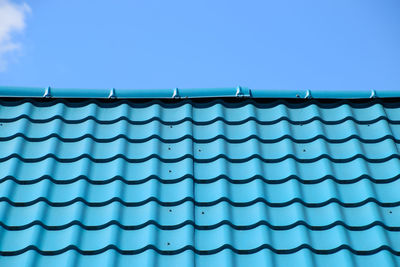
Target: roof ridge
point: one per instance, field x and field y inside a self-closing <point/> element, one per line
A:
<point x="183" y="93"/>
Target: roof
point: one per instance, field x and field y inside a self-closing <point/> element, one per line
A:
<point x="243" y="182"/>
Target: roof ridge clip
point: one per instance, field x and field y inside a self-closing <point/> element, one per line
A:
<point x="112" y="94"/>
<point x="373" y="94"/>
<point x="308" y="94"/>
<point x="176" y="93"/>
<point x="239" y="92"/>
<point x="47" y="92"/>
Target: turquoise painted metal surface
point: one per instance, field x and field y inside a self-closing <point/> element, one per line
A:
<point x="249" y="183"/>
<point x="178" y="93"/>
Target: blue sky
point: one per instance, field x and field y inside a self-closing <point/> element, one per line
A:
<point x="288" y="44"/>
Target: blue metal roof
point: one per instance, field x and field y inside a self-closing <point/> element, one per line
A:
<point x="199" y="183"/>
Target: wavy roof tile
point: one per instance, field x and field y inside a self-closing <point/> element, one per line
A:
<point x="246" y="182"/>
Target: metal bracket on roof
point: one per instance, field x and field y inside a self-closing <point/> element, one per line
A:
<point x="112" y="94"/>
<point x="239" y="92"/>
<point x="47" y="92"/>
<point x="373" y="94"/>
<point x="176" y="93"/>
<point x="308" y="94"/>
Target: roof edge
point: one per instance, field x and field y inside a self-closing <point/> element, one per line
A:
<point x="175" y="93"/>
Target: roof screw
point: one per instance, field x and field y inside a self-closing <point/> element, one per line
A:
<point x="239" y="92"/>
<point x="168" y="244"/>
<point x="47" y="92"/>
<point x="169" y="148"/>
<point x="373" y="94"/>
<point x="176" y="93"/>
<point x="308" y="94"/>
<point x="170" y="210"/>
<point x="112" y="94"/>
<point x="202" y="212"/>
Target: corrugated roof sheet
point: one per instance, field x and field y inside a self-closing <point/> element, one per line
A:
<point x="209" y="183"/>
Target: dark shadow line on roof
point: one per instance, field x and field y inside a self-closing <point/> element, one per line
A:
<point x="200" y="141"/>
<point x="204" y="103"/>
<point x="200" y="204"/>
<point x="200" y="227"/>
<point x="201" y="252"/>
<point x="201" y="181"/>
<point x="198" y="123"/>
<point x="198" y="160"/>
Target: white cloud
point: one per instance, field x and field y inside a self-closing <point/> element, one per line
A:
<point x="12" y="20"/>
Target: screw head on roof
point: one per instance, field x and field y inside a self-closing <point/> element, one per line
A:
<point x="47" y="92"/>
<point x="239" y="92"/>
<point x="373" y="94"/>
<point x="176" y="93"/>
<point x="112" y="94"/>
<point x="308" y="94"/>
